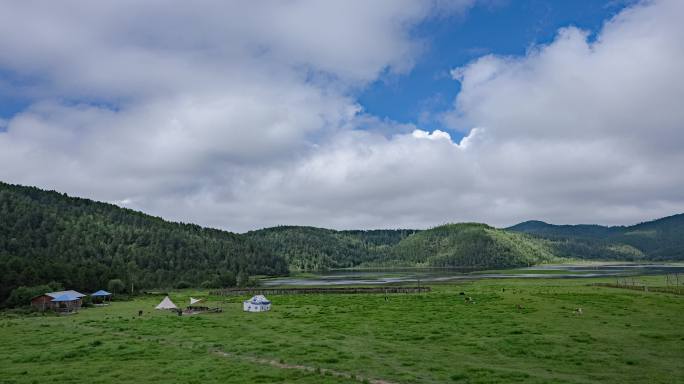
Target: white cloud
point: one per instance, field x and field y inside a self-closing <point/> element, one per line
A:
<point x="241" y="117"/>
<point x="435" y="135"/>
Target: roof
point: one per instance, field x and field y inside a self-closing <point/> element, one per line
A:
<point x="78" y="295"/>
<point x="66" y="297"/>
<point x="258" y="299"/>
<point x="101" y="293"/>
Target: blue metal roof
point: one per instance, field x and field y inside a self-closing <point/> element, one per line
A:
<point x="101" y="293"/>
<point x="66" y="297"/>
<point x="60" y="293"/>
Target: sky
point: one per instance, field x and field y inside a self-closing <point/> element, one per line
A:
<point x="349" y="114"/>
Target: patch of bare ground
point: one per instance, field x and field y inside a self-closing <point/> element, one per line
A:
<point x="307" y="368"/>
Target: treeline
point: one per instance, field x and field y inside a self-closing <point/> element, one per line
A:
<point x="312" y="249"/>
<point x="49" y="237"/>
<point x="661" y="239"/>
<point x="473" y="245"/>
<point x="453" y="245"/>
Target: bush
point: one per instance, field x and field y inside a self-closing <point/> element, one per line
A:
<point x="182" y="285"/>
<point x="87" y="301"/>
<point x="21" y="296"/>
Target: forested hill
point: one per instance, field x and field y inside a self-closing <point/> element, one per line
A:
<point x="81" y="244"/>
<point x="469" y="245"/>
<point x="452" y="245"/>
<point x="310" y="248"/>
<point x="661" y="239"/>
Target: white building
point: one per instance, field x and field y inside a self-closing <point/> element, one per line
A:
<point x="257" y="303"/>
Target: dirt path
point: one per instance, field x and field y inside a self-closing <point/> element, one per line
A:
<point x="307" y="368"/>
<point x="257" y="360"/>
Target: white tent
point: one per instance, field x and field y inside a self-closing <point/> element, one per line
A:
<point x="258" y="303"/>
<point x="166" y="304"/>
<point x="195" y="301"/>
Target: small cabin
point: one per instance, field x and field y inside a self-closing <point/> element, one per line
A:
<point x="258" y="303"/>
<point x="59" y="301"/>
<point x="100" y="297"/>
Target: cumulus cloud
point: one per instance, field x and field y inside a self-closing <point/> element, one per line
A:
<point x="241" y="116"/>
<point x="579" y="129"/>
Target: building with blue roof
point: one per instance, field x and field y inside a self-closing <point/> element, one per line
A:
<point x="62" y="301"/>
<point x="100" y="297"/>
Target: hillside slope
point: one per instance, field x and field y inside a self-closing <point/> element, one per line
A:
<point x="47" y="236"/>
<point x="469" y="245"/>
<point x="310" y="248"/>
<point x="661" y="239"/>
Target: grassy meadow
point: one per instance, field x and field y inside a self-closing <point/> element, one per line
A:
<point x="515" y="331"/>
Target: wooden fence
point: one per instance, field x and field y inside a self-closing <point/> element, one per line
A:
<point x="677" y="290"/>
<point x="327" y="290"/>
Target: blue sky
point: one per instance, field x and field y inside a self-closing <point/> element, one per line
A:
<point x="504" y="27"/>
<point x="501" y="27"/>
<point x="241" y="114"/>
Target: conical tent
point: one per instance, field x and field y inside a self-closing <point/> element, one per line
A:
<point x="166" y="304"/>
<point x="195" y="301"/>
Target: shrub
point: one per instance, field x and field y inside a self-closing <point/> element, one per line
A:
<point x="182" y="285"/>
<point x="21" y="296"/>
<point x="87" y="301"/>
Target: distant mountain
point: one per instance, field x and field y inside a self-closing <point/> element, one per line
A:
<point x="589" y="231"/>
<point x="46" y="236"/>
<point x="473" y="245"/>
<point x="469" y="245"/>
<point x="661" y="239"/>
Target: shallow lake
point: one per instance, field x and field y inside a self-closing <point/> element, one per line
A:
<point x="388" y="276"/>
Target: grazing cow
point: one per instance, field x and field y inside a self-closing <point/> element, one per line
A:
<point x="578" y="311"/>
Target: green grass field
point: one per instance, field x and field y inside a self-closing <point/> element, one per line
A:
<point x="622" y="336"/>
